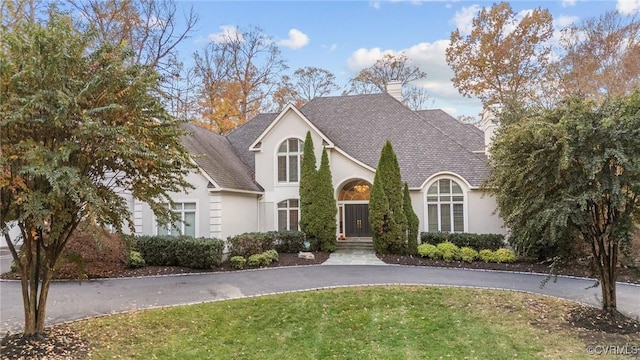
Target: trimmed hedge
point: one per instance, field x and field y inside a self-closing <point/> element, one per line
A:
<point x="251" y="243"/>
<point x="200" y="253"/>
<point x="475" y="241"/>
<point x="289" y="241"/>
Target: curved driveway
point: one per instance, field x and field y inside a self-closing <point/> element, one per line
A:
<point x="74" y="300"/>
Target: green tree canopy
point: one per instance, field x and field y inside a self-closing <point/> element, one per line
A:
<point x="326" y="206"/>
<point x="573" y="170"/>
<point x="308" y="180"/>
<point x="80" y="127"/>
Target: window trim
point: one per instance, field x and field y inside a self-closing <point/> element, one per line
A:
<point x="450" y="202"/>
<point x="287" y="156"/>
<point x="182" y="221"/>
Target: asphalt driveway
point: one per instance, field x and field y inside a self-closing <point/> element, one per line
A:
<point x="72" y="300"/>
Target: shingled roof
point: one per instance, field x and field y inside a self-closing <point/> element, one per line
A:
<point x="361" y="124"/>
<point x="242" y="137"/>
<point x="215" y="155"/>
<point x="466" y="135"/>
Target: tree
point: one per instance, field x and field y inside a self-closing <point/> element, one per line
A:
<point x="386" y="214"/>
<point x="326" y="206"/>
<point x="308" y="185"/>
<point x="413" y="223"/>
<point x="390" y="67"/>
<point x="308" y="84"/>
<point x="153" y="30"/>
<point x="573" y="169"/>
<point x="600" y="57"/>
<point x="80" y="126"/>
<point x="504" y="58"/>
<point x="250" y="60"/>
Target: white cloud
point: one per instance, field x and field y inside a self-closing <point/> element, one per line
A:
<point x="463" y="19"/>
<point x="375" y="4"/>
<point x="430" y="58"/>
<point x="628" y="7"/>
<point x="227" y="32"/>
<point x="563" y="21"/>
<point x="568" y="3"/>
<point x="296" y="40"/>
<point x="330" y="48"/>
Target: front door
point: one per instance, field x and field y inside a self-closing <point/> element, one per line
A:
<point x="356" y="219"/>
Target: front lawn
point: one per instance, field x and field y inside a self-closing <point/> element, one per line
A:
<point x="352" y="323"/>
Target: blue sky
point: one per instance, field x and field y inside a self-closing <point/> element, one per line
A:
<point x="347" y="36"/>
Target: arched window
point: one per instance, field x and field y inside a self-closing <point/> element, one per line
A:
<point x="289" y="158"/>
<point x="355" y="190"/>
<point x="445" y="207"/>
<point x="288" y="215"/>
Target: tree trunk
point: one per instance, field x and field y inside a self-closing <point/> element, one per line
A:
<point x="605" y="252"/>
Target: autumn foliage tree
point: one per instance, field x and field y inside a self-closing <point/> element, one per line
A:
<point x="81" y="124"/>
<point x="572" y="170"/>
<point x="305" y="85"/>
<point x="504" y="58"/>
<point x="238" y="71"/>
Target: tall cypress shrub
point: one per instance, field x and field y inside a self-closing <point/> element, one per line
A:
<point x="308" y="179"/>
<point x="325" y="205"/>
<point x="392" y="184"/>
<point x="413" y="222"/>
<point x="379" y="216"/>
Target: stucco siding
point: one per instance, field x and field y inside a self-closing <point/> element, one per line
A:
<point x="481" y="216"/>
<point x="239" y="214"/>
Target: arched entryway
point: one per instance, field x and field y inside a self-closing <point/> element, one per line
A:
<point x="353" y="205"/>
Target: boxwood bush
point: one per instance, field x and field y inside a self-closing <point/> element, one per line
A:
<point x="430" y="251"/>
<point x="251" y="243"/>
<point x="449" y="251"/>
<point x="237" y="262"/>
<point x="200" y="253"/>
<point x="468" y="254"/>
<point x="289" y="241"/>
<point x="475" y="241"/>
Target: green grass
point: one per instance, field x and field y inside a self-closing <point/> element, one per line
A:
<point x="353" y="323"/>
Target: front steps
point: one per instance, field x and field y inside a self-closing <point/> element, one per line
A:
<point x="355" y="244"/>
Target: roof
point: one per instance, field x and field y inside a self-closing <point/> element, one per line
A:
<point x="215" y="155"/>
<point x="466" y="135"/>
<point x="361" y="124"/>
<point x="242" y="137"/>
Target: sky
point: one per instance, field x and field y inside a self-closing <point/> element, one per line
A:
<point x="345" y="37"/>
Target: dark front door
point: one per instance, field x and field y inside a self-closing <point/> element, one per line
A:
<point x="356" y="219"/>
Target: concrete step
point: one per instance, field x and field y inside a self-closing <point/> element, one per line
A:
<point x="354" y="245"/>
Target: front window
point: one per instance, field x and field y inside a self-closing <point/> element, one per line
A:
<point x="186" y="225"/>
<point x="289" y="158"/>
<point x="445" y="207"/>
<point x="288" y="215"/>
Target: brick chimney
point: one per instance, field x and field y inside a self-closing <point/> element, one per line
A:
<point x="394" y="88"/>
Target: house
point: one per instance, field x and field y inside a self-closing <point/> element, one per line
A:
<point x="248" y="180"/>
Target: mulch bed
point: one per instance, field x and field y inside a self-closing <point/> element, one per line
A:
<point x="59" y="342"/>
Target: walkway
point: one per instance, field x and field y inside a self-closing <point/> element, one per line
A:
<point x="72" y="300"/>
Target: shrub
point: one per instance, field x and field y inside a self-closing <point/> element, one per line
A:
<point x="504" y="255"/>
<point x="475" y="241"/>
<point x="238" y="262"/>
<point x="289" y="241"/>
<point x="430" y="251"/>
<point x="157" y="250"/>
<point x="200" y="253"/>
<point x="449" y="251"/>
<point x="135" y="260"/>
<point x="486" y="255"/>
<point x="255" y="260"/>
<point x="272" y="255"/>
<point x="251" y="243"/>
<point x="468" y="254"/>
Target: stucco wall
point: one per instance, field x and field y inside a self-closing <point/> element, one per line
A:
<point x="481" y="216"/>
<point x="239" y="214"/>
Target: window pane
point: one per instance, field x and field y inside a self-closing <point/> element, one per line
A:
<point x="458" y="198"/>
<point x="293" y="220"/>
<point x="282" y="204"/>
<point x="456" y="188"/>
<point x="293" y="145"/>
<point x="282" y="220"/>
<point x="190" y="206"/>
<point x="189" y="224"/>
<point x="445" y="218"/>
<point x="458" y="218"/>
<point x="293" y="203"/>
<point x="293" y="168"/>
<point x="162" y="230"/>
<point x="433" y="217"/>
<point x="433" y="189"/>
<point x="445" y="186"/>
<point x="283" y="147"/>
<point x="282" y="168"/>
